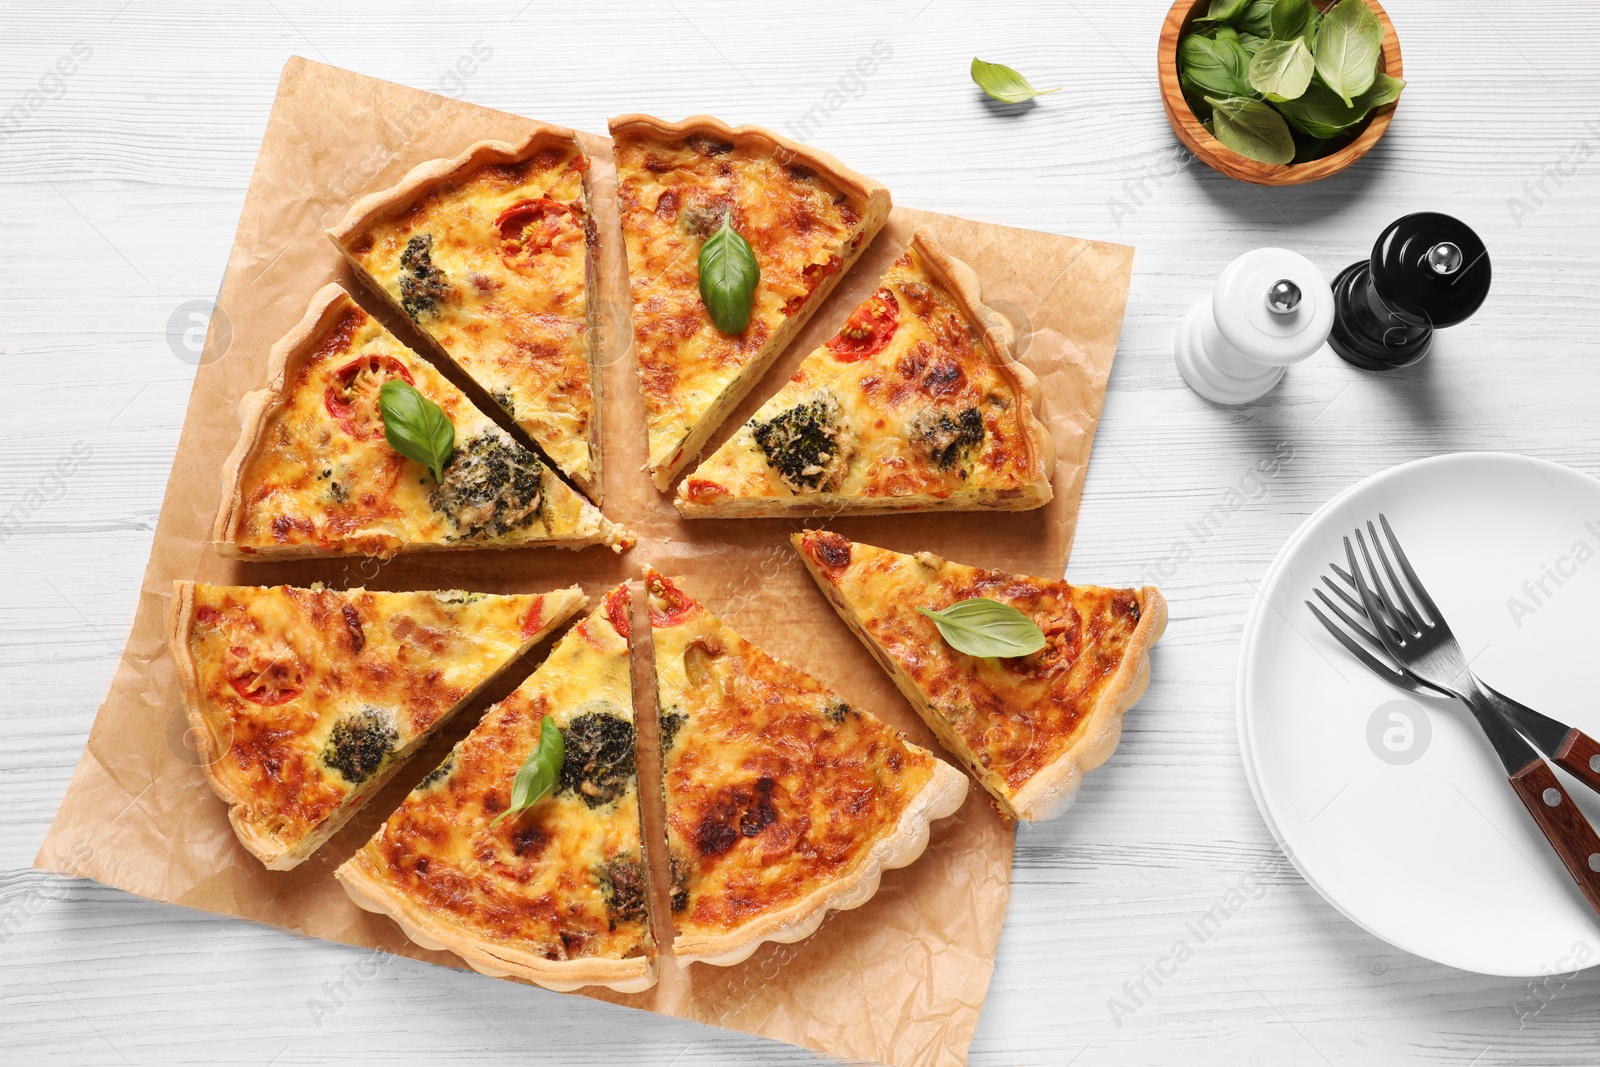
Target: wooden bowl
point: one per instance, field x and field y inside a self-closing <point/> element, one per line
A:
<point x="1214" y="154"/>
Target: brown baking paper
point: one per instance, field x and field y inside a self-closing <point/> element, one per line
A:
<point x="900" y="980"/>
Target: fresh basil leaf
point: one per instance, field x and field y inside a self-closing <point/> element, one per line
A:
<point x="1252" y="129"/>
<point x="1320" y="113"/>
<point x="729" y="274"/>
<point x="1295" y="18"/>
<point x="982" y="627"/>
<point x="540" y="772"/>
<point x="1348" y="49"/>
<point x="1223" y="10"/>
<point x="1215" y="67"/>
<point x="1003" y="83"/>
<point x="1252" y="44"/>
<point x="1255" y="19"/>
<point x="1281" y="70"/>
<point x="415" y="426"/>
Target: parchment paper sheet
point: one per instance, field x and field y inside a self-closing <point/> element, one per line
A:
<point x="900" y="980"/>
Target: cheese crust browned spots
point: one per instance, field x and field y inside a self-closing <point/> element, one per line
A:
<point x="675" y="193"/>
<point x="494" y="264"/>
<point x="1008" y="717"/>
<point x="775" y="786"/>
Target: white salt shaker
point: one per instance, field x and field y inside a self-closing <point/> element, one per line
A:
<point x="1272" y="308"/>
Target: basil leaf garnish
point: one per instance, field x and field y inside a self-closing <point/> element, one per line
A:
<point x="1295" y="18"/>
<point x="728" y="277"/>
<point x="539" y="773"/>
<point x="1252" y="129"/>
<point x="1349" y="46"/>
<point x="1281" y="70"/>
<point x="1004" y="84"/>
<point x="1215" y="66"/>
<point x="415" y="426"/>
<point x="982" y="627"/>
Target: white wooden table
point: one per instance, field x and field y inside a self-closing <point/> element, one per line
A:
<point x="120" y="184"/>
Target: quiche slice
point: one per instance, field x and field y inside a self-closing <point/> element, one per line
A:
<point x="915" y="404"/>
<point x="314" y="475"/>
<point x="1029" y="727"/>
<point x="492" y="255"/>
<point x="783" y="802"/>
<point x="554" y="893"/>
<point x="806" y="216"/>
<point x="303" y="702"/>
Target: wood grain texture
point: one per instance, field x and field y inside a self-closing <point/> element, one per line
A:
<point x="122" y="192"/>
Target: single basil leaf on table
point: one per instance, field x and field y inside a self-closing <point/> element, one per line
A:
<point x="1295" y="18"/>
<point x="1348" y="49"/>
<point x="1252" y="129"/>
<point x="1215" y="67"/>
<point x="1281" y="70"/>
<point x="1320" y="113"/>
<point x="1005" y="84"/>
<point x="981" y="627"/>
<point x="540" y="773"/>
<point x="415" y="426"/>
<point x="1255" y="19"/>
<point x="1223" y="10"/>
<point x="729" y="274"/>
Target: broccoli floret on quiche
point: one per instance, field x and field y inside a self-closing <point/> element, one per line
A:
<point x="490" y="487"/>
<point x="599" y="757"/>
<point x="422" y="285"/>
<point x="359" y="743"/>
<point x="809" y="445"/>
<point x="947" y="439"/>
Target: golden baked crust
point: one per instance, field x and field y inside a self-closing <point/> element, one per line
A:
<point x="312" y="474"/>
<point x="303" y="702"/>
<point x="806" y="216"/>
<point x="916" y="404"/>
<point x="556" y="893"/>
<point x="492" y="255"/>
<point x="783" y="802"/>
<point x="1027" y="728"/>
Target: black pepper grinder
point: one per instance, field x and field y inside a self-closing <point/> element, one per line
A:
<point x="1427" y="271"/>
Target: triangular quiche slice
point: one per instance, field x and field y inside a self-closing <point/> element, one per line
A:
<point x="1028" y="728"/>
<point x="783" y="801"/>
<point x="303" y="702"/>
<point x="554" y="893"/>
<point x="915" y="404"/>
<point x="492" y="255"/>
<point x="314" y="475"/>
<point x="807" y="218"/>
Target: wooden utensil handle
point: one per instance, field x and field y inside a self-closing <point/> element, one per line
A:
<point x="1579" y="756"/>
<point x="1563" y="825"/>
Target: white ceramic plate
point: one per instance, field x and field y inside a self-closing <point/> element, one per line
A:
<point x="1394" y="806"/>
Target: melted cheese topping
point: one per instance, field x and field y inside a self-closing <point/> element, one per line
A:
<point x="310" y="695"/>
<point x="673" y="195"/>
<point x="928" y="420"/>
<point x="774" y="786"/>
<point x="324" y="478"/>
<point x="514" y="244"/>
<point x="564" y="879"/>
<point x="1006" y="718"/>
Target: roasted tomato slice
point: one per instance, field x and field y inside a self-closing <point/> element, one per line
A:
<point x="265" y="677"/>
<point x="533" y="621"/>
<point x="868" y="329"/>
<point x="677" y="606"/>
<point x="813" y="275"/>
<point x="618" y="609"/>
<point x="530" y="227"/>
<point x="352" y="396"/>
<point x="1063" y="633"/>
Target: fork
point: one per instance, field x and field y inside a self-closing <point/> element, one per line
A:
<point x="1566" y="746"/>
<point x="1422" y="643"/>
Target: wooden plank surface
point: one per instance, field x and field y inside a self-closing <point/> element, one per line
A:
<point x="122" y="182"/>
